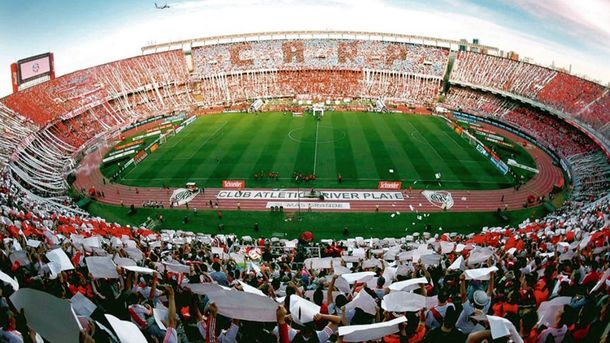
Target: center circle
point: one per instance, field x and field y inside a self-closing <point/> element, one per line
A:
<point x="326" y="134"/>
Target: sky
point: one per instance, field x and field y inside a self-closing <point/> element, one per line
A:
<point x="84" y="33"/>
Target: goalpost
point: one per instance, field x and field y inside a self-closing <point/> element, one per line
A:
<point x="318" y="110"/>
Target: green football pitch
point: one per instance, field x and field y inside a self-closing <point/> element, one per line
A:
<point x="361" y="147"/>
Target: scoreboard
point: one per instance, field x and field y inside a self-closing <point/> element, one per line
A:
<point x="32" y="70"/>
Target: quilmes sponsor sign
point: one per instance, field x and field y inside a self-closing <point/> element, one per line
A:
<point x="442" y="199"/>
<point x="182" y="195"/>
<point x="306" y="205"/>
<point x="234" y="184"/>
<point x="294" y="195"/>
<point x="391" y="185"/>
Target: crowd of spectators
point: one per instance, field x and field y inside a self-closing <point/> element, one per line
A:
<point x="543" y="281"/>
<point x="13" y="130"/>
<point x="584" y="100"/>
<point x="320" y="85"/>
<point x="569" y="94"/>
<point x="319" y="54"/>
<point x="500" y="73"/>
<point x="559" y="136"/>
<point x="597" y="115"/>
<point x="555" y="134"/>
<point x="479" y="103"/>
<point x="88" y="89"/>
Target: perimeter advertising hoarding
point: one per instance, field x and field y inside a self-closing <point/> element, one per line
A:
<point x="234" y="184"/>
<point x="391" y="185"/>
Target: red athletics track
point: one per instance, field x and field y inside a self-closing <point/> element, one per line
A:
<point x="88" y="175"/>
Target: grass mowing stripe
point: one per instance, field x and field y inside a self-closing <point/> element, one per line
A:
<point x="328" y="136"/>
<point x="257" y="147"/>
<point x="360" y="151"/>
<point x="200" y="146"/>
<point x="443" y="166"/>
<point x="285" y="160"/>
<point x="237" y="148"/>
<point x="422" y="167"/>
<point x="271" y="150"/>
<point x="344" y="153"/>
<point x="379" y="153"/>
<point x="392" y="143"/>
<point x="172" y="160"/>
<point x="304" y="155"/>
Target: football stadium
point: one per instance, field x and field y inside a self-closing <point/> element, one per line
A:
<point x="304" y="185"/>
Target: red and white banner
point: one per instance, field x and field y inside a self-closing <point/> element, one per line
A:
<point x="393" y="185"/>
<point x="234" y="184"/>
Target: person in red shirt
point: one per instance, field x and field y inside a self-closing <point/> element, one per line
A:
<point x="413" y="331"/>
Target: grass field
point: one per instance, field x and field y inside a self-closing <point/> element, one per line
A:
<point x="362" y="147"/>
<point x="321" y="224"/>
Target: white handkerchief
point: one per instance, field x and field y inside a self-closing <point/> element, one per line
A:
<point x="457" y="264"/>
<point x="363" y="301"/>
<point x="408" y="285"/>
<point x="363" y="333"/>
<point x="11" y="281"/>
<point x="244" y="306"/>
<point x="447" y="247"/>
<point x="302" y="310"/>
<point x="479" y="273"/>
<point x="101" y="267"/>
<point x="501" y="327"/>
<point x="403" y="302"/>
<point x="81" y="305"/>
<point x="358" y="277"/>
<point x="548" y="310"/>
<point x="250" y="289"/>
<point x="60" y="257"/>
<point x="138" y="269"/>
<point x="33" y="243"/>
<point x="127" y="332"/>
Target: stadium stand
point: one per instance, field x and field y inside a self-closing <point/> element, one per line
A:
<point x="14" y="129"/>
<point x="566" y="93"/>
<point x="556" y="264"/>
<point x="569" y="93"/>
<point x="501" y="73"/>
<point x="479" y="103"/>
<point x="318" y="54"/>
<point x="543" y="280"/>
<point x="591" y="169"/>
<point x="594" y="116"/>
